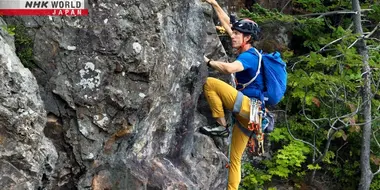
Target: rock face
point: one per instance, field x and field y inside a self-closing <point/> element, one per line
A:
<point x="27" y="157"/>
<point x="120" y="89"/>
<point x="121" y="99"/>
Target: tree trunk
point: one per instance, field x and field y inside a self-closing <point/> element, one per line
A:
<point x="366" y="173"/>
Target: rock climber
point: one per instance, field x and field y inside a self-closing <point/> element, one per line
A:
<point x="221" y="95"/>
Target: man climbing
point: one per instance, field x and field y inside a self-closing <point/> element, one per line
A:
<point x="221" y="95"/>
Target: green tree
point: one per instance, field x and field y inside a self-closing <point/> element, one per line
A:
<point x="328" y="93"/>
<point x="366" y="172"/>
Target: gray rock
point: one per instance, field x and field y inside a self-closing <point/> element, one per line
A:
<point x="27" y="157"/>
<point x="120" y="89"/>
<point x="121" y="99"/>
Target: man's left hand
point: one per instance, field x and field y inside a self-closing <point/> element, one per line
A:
<point x="206" y="59"/>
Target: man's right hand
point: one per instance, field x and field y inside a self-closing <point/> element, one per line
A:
<point x="223" y="17"/>
<point x="211" y="2"/>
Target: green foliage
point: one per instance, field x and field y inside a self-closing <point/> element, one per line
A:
<point x="324" y="82"/>
<point x="9" y="29"/>
<point x="279" y="135"/>
<point x="288" y="160"/>
<point x="329" y="156"/>
<point x="253" y="178"/>
<point x="320" y="6"/>
<point x="374" y="13"/>
<point x="24" y="46"/>
<point x="262" y="15"/>
<point x="310" y="5"/>
<point x="312" y="30"/>
<point x="375" y="185"/>
<point x="313" y="167"/>
<point x="346" y="172"/>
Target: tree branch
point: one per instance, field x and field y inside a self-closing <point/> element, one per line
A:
<point x="376" y="130"/>
<point x="373" y="31"/>
<point x="337" y="56"/>
<point x="327" y="147"/>
<point x="377" y="172"/>
<point x="374" y="39"/>
<point x="303" y="111"/>
<point x="373" y="119"/>
<point x="332" y="42"/>
<point x="376" y="84"/>
<point x="374" y="136"/>
<point x="287" y="3"/>
<point x="337" y="151"/>
<point x="334" y="12"/>
<point x="329" y="13"/>
<point x="324" y="103"/>
<point x="354" y="43"/>
<point x="291" y="134"/>
<point x="369" y="34"/>
<point x="319" y="51"/>
<point x="335" y="119"/>
<point x="294" y="64"/>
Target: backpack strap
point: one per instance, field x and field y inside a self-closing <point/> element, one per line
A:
<point x="258" y="69"/>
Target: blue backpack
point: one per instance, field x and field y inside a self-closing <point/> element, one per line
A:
<point x="275" y="76"/>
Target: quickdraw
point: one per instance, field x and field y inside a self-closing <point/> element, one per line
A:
<point x="254" y="125"/>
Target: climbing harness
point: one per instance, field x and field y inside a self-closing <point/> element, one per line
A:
<point x="255" y="128"/>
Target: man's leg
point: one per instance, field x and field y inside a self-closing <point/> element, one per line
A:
<point x="222" y="121"/>
<point x="220" y="94"/>
<point x="238" y="143"/>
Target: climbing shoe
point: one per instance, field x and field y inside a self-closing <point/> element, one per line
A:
<point x="217" y="131"/>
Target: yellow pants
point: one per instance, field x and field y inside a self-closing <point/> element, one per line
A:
<point x="220" y="94"/>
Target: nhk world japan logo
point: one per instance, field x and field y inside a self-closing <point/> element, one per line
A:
<point x="44" y="7"/>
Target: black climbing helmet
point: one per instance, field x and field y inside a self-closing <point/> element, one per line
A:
<point x="247" y="26"/>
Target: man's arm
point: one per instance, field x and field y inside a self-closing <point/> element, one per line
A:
<point x="226" y="68"/>
<point x="223" y="17"/>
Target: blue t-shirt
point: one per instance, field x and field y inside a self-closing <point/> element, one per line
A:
<point x="250" y="61"/>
